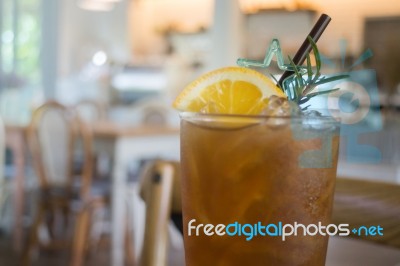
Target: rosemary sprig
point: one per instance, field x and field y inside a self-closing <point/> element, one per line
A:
<point x="300" y="85"/>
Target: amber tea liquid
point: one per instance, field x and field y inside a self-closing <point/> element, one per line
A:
<point x="253" y="169"/>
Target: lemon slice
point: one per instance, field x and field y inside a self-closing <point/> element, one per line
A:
<point x="230" y="90"/>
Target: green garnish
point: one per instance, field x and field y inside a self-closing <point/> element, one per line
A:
<point x="300" y="85"/>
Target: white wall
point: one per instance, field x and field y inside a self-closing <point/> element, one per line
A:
<point x="133" y="28"/>
<point x="148" y="19"/>
<point x="49" y="54"/>
<point x="347" y="19"/>
<point x="83" y="32"/>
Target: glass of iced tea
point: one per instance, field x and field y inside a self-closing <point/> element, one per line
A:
<point x="258" y="167"/>
<point x="246" y="178"/>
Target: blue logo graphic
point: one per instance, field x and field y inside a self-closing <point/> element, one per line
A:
<point x="357" y="104"/>
<point x="354" y="105"/>
<point x="347" y="103"/>
<point x="368" y="230"/>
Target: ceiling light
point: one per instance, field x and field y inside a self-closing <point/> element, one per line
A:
<point x="96" y="5"/>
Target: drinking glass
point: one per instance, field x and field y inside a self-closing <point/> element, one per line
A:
<point x="256" y="170"/>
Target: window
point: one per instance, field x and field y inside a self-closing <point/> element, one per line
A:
<point x="19" y="43"/>
<point x="20" y="75"/>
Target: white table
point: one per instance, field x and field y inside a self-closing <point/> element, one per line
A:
<point x="127" y="145"/>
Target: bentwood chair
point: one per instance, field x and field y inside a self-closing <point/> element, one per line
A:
<point x="53" y="136"/>
<point x="160" y="190"/>
<point x="91" y="110"/>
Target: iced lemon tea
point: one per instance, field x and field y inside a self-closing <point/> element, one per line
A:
<point x="251" y="169"/>
<point x="254" y="163"/>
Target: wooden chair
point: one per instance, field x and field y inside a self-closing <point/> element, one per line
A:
<point x="91" y="110"/>
<point x="149" y="111"/>
<point x="52" y="136"/>
<point x="160" y="190"/>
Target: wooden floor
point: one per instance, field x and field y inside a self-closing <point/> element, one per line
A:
<point x="356" y="202"/>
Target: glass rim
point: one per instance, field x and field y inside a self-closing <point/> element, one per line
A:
<point x="323" y="117"/>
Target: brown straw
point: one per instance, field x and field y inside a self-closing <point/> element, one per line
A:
<point x="305" y="48"/>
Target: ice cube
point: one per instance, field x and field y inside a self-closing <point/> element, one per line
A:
<point x="278" y="109"/>
<point x="278" y="106"/>
<point x="313" y="119"/>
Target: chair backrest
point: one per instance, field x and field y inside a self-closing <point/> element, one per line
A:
<point x="53" y="134"/>
<point x="147" y="111"/>
<point x="91" y="110"/>
<point x="160" y="190"/>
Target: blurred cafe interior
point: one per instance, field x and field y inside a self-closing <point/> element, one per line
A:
<point x="117" y="65"/>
